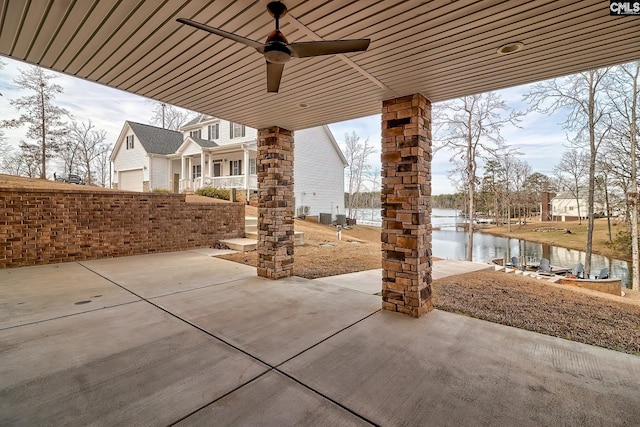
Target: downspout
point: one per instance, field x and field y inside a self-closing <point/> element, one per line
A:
<point x="149" y="171"/>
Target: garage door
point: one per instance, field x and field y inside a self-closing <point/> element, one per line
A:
<point x="131" y="180"/>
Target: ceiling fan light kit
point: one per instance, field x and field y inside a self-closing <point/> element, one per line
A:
<point x="277" y="51"/>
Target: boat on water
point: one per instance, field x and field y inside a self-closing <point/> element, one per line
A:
<point x="566" y="276"/>
<point x="610" y="285"/>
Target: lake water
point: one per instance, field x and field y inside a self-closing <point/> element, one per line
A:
<point x="451" y="243"/>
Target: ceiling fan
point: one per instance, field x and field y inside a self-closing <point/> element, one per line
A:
<point x="278" y="51"/>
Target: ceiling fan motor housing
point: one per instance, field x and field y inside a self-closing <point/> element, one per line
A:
<point x="275" y="49"/>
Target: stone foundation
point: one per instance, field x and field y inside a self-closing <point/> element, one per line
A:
<point x="406" y="205"/>
<point x="275" y="203"/>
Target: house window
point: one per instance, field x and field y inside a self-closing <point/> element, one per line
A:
<point x="570" y="208"/>
<point x="196" y="134"/>
<point x="236" y="167"/>
<point x="129" y="142"/>
<point x="217" y="169"/>
<point x="252" y="166"/>
<point x="196" y="171"/>
<point x="237" y="130"/>
<point x="214" y="132"/>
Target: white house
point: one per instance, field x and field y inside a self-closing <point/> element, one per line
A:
<point x="564" y="207"/>
<point x="210" y="152"/>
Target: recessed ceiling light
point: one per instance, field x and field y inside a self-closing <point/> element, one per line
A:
<point x="303" y="105"/>
<point x="510" y="48"/>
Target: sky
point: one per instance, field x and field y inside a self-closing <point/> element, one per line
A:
<point x="540" y="138"/>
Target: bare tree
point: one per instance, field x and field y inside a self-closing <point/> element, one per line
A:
<point x="470" y="126"/>
<point x="357" y="153"/>
<point x="44" y="119"/>
<point x="521" y="173"/>
<point x="68" y="156"/>
<point x="584" y="97"/>
<point x="90" y="143"/>
<point x="571" y="172"/>
<point x="12" y="162"/>
<point x="625" y="97"/>
<point x="169" y="117"/>
<point x="102" y="167"/>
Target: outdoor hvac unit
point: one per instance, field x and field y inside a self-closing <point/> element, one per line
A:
<point x="304" y="210"/>
<point x="325" y="218"/>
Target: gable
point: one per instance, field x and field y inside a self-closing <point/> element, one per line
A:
<point x="156" y="140"/>
<point x="189" y="147"/>
<point x="120" y="147"/>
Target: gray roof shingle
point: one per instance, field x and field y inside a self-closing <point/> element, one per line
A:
<point x="157" y="140"/>
<point x="204" y="142"/>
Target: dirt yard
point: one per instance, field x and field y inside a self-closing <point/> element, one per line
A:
<point x="323" y="254"/>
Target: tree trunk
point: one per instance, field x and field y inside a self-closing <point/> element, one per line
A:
<point x="606" y="201"/>
<point x="592" y="176"/>
<point x="471" y="181"/>
<point x="469" y="255"/>
<point x="43" y="173"/>
<point x="635" y="257"/>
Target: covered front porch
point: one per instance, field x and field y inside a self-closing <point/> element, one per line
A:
<point x="220" y="167"/>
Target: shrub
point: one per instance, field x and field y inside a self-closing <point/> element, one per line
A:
<point x="216" y="193"/>
<point x="622" y="242"/>
<point x="160" y="190"/>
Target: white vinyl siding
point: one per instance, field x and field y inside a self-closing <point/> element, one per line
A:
<point x="133" y="158"/>
<point x="318" y="172"/>
<point x="159" y="176"/>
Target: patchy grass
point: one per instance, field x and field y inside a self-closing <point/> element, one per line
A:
<point x="555" y="233"/>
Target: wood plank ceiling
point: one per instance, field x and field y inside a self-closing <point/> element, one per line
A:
<point x="441" y="48"/>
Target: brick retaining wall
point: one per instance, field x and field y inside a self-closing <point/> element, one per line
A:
<point x="45" y="227"/>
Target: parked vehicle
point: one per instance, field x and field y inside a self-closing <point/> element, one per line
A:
<point x="71" y="178"/>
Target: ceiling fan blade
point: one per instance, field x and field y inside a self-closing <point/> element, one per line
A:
<point x="274" y="74"/>
<point x="245" y="41"/>
<point x="329" y="47"/>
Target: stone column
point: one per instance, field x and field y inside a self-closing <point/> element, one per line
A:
<point x="406" y="205"/>
<point x="275" y="202"/>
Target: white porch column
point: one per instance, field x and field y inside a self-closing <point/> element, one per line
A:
<point x="203" y="171"/>
<point x="182" y="174"/>
<point x="189" y="169"/>
<point x="245" y="160"/>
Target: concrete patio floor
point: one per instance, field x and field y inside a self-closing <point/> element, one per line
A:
<point x="189" y="339"/>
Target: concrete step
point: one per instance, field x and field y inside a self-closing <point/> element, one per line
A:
<point x="250" y="225"/>
<point x="241" y="244"/>
<point x="298" y="237"/>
